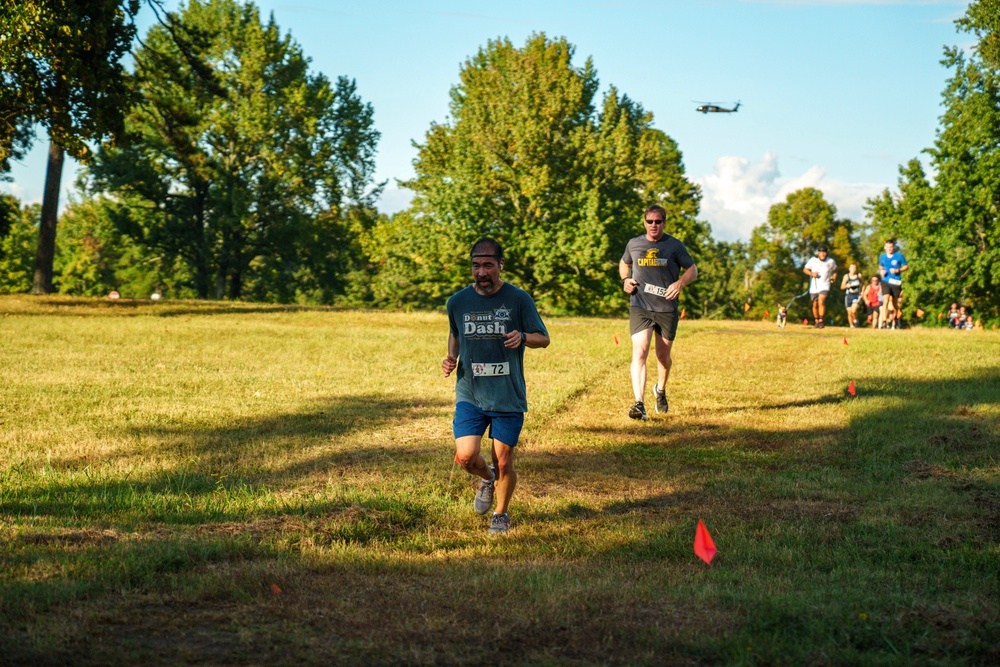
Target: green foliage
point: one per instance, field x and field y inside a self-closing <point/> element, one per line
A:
<point x="95" y="258"/>
<point x="17" y="245"/>
<point x="252" y="178"/>
<point x="949" y="229"/>
<point x="781" y="247"/>
<point x="982" y="17"/>
<point x="725" y="281"/>
<point x="528" y="159"/>
<point x="60" y="67"/>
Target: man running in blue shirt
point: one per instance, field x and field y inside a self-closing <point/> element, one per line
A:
<point x="490" y="324"/>
<point x="891" y="265"/>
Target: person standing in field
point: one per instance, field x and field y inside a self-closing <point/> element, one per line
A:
<point x="654" y="270"/>
<point x="851" y="286"/>
<point x="490" y="324"/>
<point x="891" y="265"/>
<point x="822" y="271"/>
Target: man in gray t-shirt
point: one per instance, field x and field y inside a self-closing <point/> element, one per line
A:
<point x="654" y="269"/>
<point x="490" y="324"/>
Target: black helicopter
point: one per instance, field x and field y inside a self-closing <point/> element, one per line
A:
<point x="715" y="108"/>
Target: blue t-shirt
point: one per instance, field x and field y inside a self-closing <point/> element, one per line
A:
<point x="490" y="376"/>
<point x="893" y="261"/>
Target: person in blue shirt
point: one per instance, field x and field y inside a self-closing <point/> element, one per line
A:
<point x="891" y="265"/>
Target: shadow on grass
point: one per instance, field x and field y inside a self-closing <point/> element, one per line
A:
<point x="224" y="473"/>
<point x="884" y="508"/>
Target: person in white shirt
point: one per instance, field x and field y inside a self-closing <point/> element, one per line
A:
<point x="822" y="271"/>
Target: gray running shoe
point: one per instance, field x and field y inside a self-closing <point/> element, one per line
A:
<point x="661" y="399"/>
<point x="637" y="411"/>
<point x="484" y="496"/>
<point x="500" y="523"/>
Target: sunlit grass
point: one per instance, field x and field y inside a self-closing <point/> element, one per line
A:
<point x="241" y="483"/>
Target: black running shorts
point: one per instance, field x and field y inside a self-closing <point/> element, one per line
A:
<point x="894" y="290"/>
<point x="640" y="319"/>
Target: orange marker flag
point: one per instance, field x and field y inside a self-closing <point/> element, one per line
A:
<point x="940" y="315"/>
<point x="767" y="314"/>
<point x="920" y="313"/>
<point x="704" y="547"/>
<point x="746" y="307"/>
<point x="805" y="322"/>
<point x="684" y="313"/>
<point x="845" y="340"/>
<point x="851" y="390"/>
<point x="618" y="341"/>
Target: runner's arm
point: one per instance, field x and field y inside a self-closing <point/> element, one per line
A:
<point x="628" y="284"/>
<point x="451" y="361"/>
<point x="690" y="273"/>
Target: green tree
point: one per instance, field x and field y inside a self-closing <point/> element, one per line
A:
<point x="949" y="229"/>
<point x="252" y="178"/>
<point x="982" y="18"/>
<point x="781" y="247"/>
<point x="526" y="157"/>
<point x="17" y="249"/>
<point x="60" y="66"/>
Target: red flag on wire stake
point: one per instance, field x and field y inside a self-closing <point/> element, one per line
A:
<point x="845" y="340"/>
<point x="767" y="313"/>
<point x="851" y="390"/>
<point x="618" y="341"/>
<point x="704" y="547"/>
<point x="805" y="322"/>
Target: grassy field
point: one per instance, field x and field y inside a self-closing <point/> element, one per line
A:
<point x="240" y="484"/>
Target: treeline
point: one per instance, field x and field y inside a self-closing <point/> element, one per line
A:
<point x="239" y="173"/>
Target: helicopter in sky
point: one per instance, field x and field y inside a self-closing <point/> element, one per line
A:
<point x="706" y="107"/>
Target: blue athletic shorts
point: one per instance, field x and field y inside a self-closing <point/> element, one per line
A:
<point x="470" y="420"/>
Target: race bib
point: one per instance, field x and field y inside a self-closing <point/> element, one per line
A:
<point x="490" y="370"/>
<point x="655" y="289"/>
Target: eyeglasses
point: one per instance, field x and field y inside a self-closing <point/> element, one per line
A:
<point x="654" y="222"/>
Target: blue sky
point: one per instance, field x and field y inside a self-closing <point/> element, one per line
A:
<point x="836" y="94"/>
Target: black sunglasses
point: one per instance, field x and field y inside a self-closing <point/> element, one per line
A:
<point x="654" y="222"/>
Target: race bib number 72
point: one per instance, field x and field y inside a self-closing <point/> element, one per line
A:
<point x="490" y="370"/>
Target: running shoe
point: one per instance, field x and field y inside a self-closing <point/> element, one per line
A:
<point x="637" y="411"/>
<point x="661" y="399"/>
<point x="484" y="496"/>
<point x="500" y="523"/>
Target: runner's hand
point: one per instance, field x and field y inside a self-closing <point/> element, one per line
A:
<point x="629" y="285"/>
<point x="448" y="365"/>
<point x="512" y="340"/>
<point x="673" y="291"/>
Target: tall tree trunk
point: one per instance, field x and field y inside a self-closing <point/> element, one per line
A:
<point x="45" y="256"/>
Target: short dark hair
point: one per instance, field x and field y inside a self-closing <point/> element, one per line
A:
<point x="655" y="208"/>
<point x="822" y="248"/>
<point x="487" y="247"/>
<point x="892" y="241"/>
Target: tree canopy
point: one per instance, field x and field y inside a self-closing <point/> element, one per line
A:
<point x="60" y="66"/>
<point x="250" y="177"/>
<point x="527" y="158"/>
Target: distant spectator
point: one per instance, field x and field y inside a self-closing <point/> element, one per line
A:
<point x="953" y="314"/>
<point x="965" y="319"/>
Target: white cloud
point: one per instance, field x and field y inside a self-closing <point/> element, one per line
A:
<point x="738" y="193"/>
